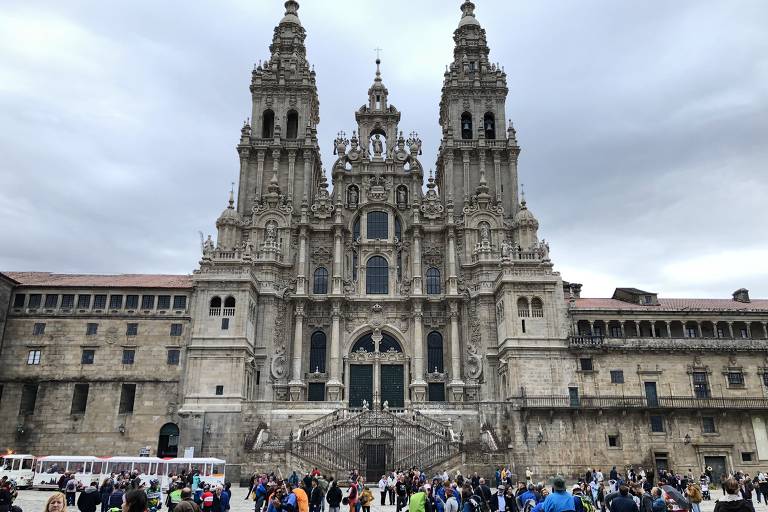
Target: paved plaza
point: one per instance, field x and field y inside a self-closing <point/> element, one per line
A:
<point x="34" y="501"/>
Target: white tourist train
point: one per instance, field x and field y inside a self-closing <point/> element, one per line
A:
<point x="45" y="472"/>
<point x="18" y="467"/>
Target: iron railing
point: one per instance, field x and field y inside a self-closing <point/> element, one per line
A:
<point x="639" y="402"/>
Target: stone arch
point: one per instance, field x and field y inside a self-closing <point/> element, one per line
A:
<point x="168" y="441"/>
<point x="364" y="329"/>
<point x="466" y="126"/>
<point x="292" y="124"/>
<point x="268" y="124"/>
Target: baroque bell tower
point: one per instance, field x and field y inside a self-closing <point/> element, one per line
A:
<point x="477" y="155"/>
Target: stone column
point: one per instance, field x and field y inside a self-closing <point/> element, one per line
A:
<point x="296" y="385"/>
<point x="456" y="385"/>
<point x="653" y="328"/>
<point x="669" y="328"/>
<point x="465" y="162"/>
<point x="307" y="174"/>
<point x="301" y="278"/>
<point x="259" y="173"/>
<point x="334" y="385"/>
<point x="452" y="277"/>
<point x="637" y="329"/>
<point x="591" y="327"/>
<point x="338" y="259"/>
<point x="748" y="324"/>
<point x="416" y="258"/>
<point x="291" y="171"/>
<point x="730" y="330"/>
<point x="497" y="174"/>
<point x="447" y="178"/>
<point x="418" y="385"/>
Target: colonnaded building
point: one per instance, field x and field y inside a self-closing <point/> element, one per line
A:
<point x="382" y="324"/>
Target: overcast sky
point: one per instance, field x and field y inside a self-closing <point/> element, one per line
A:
<point x="643" y="125"/>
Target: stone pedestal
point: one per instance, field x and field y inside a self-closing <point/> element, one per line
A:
<point x="296" y="390"/>
<point x="419" y="391"/>
<point x="456" y="391"/>
<point x="334" y="391"/>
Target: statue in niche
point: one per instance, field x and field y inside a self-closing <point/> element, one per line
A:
<point x="402" y="196"/>
<point x="378" y="145"/>
<point x="506" y="249"/>
<point x="352" y="196"/>
<point x="271" y="231"/>
<point x="485" y="233"/>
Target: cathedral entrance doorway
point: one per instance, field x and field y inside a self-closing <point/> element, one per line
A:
<point x="168" y="444"/>
<point x="376" y="372"/>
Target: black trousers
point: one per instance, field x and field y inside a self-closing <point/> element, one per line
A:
<point x="391" y="493"/>
<point x="383" y="498"/>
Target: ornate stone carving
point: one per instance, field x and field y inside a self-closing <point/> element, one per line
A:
<point x="378" y="187"/>
<point x="431" y="207"/>
<point x="279" y="364"/>
<point x="321" y="256"/>
<point x="473" y="368"/>
<point x="432" y="257"/>
<point x="322" y="207"/>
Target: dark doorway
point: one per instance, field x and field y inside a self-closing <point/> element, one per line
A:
<point x="573" y="397"/>
<point x="662" y="462"/>
<point x="718" y="467"/>
<point x="650" y="394"/>
<point x="360" y="385"/>
<point x="375" y="461"/>
<point x="392" y="385"/>
<point x="316" y="392"/>
<point x="168" y="445"/>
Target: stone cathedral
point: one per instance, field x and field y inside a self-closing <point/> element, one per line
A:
<point x="376" y="316"/>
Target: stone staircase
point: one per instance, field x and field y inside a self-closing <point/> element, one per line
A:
<point x="337" y="442"/>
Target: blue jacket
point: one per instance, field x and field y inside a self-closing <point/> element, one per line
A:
<point x="224" y="501"/>
<point x="559" y="501"/>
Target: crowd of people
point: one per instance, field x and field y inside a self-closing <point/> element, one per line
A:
<point x="412" y="490"/>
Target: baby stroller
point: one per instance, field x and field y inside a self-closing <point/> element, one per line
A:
<point x="705" y="490"/>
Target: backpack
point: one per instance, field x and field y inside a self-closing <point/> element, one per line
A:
<point x="72" y="485"/>
<point x="476" y="502"/>
<point x="587" y="504"/>
<point x="528" y="505"/>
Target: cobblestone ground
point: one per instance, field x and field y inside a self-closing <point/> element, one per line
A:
<point x="34" y="501"/>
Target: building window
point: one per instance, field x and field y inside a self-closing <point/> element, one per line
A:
<point x="18" y="300"/>
<point x="91" y="329"/>
<point x="616" y="332"/>
<point x="378" y="225"/>
<point x="173" y="356"/>
<point x="743" y="333"/>
<point x="34" y="301"/>
<point x="163" y="302"/>
<point x="746" y="457"/>
<point x="28" y="399"/>
<point x="317" y="352"/>
<point x="33" y="357"/>
<point x="377" y="276"/>
<point x="292" y="122"/>
<point x="356" y="229"/>
<point x="176" y="329"/>
<point x="436" y="392"/>
<point x="87" y="356"/>
<point x="127" y="398"/>
<point x="537" y="308"/>
<point x="316" y="392"/>
<point x="129" y="355"/>
<point x="708" y="425"/>
<point x="586" y="364"/>
<point x="51" y="301"/>
<point x="79" y="399"/>
<point x="38" y="329"/>
<point x="617" y="376"/>
<point x="614" y="441"/>
<point x="398" y="228"/>
<point x="522" y="308"/>
<point x="735" y="379"/>
<point x="700" y="385"/>
<point x="219" y="390"/>
<point x="132" y="329"/>
<point x="268" y="125"/>
<point x="147" y="302"/>
<point x="131" y="302"/>
<point x="354" y="266"/>
<point x="597" y="331"/>
<point x="229" y="306"/>
<point x="321" y="281"/>
<point x="67" y="301"/>
<point x="115" y="301"/>
<point x="765" y="378"/>
<point x="179" y="302"/>
<point x="434" y="352"/>
<point x="224" y="324"/>
<point x="214" y="306"/>
<point x="433" y="281"/>
<point x="99" y="301"/>
<point x="690" y="332"/>
<point x="657" y="423"/>
<point x="489" y="125"/>
<point x="83" y="301"/>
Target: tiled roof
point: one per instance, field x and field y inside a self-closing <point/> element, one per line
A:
<point x="633" y="290"/>
<point x="5" y="276"/>
<point x="101" y="281"/>
<point x="676" y="305"/>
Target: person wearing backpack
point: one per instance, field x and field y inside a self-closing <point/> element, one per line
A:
<point x="623" y="502"/>
<point x="581" y="503"/>
<point x="471" y="501"/>
<point x="559" y="500"/>
<point x="70" y="490"/>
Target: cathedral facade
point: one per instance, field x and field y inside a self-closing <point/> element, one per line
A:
<point x="376" y="316"/>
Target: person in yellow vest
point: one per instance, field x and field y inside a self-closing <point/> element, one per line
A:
<point x="418" y="501"/>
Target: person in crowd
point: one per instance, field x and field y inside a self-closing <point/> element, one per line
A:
<point x="89" y="498"/>
<point x="106" y="488"/>
<point x="559" y="500"/>
<point x="315" y="496"/>
<point x="135" y="501"/>
<point x="733" y="500"/>
<point x="623" y="502"/>
<point x="334" y="497"/>
<point x="56" y="502"/>
<point x="366" y="498"/>
<point x="383" y="485"/>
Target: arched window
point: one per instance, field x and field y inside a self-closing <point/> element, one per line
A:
<point x="364" y="344"/>
<point x="466" y="125"/>
<point x="293" y="124"/>
<point x="229" y="306"/>
<point x="489" y="125"/>
<point x="378" y="225"/>
<point x="168" y="443"/>
<point x="215" y="307"/>
<point x="356" y="229"/>
<point x="377" y="276"/>
<point x="433" y="281"/>
<point x="435" y="352"/>
<point x="398" y="228"/>
<point x="537" y="308"/>
<point x="522" y="307"/>
<point x="321" y="280"/>
<point x="354" y="266"/>
<point x="268" y="125"/>
<point x="317" y="352"/>
<point x="389" y="344"/>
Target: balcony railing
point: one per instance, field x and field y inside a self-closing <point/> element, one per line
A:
<point x="648" y="343"/>
<point x="639" y="402"/>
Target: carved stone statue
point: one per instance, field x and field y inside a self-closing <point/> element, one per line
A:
<point x="352" y="196"/>
<point x="506" y="249"/>
<point x="378" y="145"/>
<point x="544" y="247"/>
<point x="485" y="233"/>
<point x="271" y="235"/>
<point x="385" y="405"/>
<point x="402" y="196"/>
<point x="208" y="245"/>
